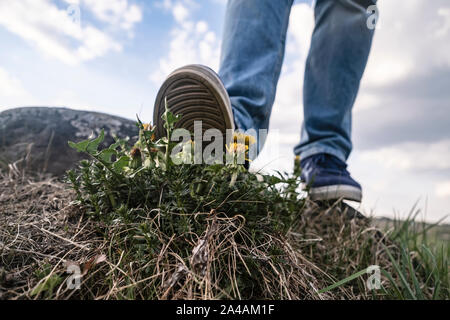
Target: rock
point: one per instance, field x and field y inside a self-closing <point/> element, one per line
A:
<point x="35" y="138"/>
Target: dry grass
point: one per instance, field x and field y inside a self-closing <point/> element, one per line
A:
<point x="38" y="228"/>
<point x="42" y="232"/>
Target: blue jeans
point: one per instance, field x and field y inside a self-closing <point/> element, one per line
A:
<point x="252" y="54"/>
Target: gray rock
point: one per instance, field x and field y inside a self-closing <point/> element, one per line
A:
<point x="36" y="138"/>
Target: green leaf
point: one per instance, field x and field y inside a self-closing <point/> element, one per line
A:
<point x="121" y="163"/>
<point x="172" y="118"/>
<point x="115" y="145"/>
<point x="93" y="145"/>
<point x="89" y="146"/>
<point x="148" y="134"/>
<point x="80" y="146"/>
<point x="106" y="154"/>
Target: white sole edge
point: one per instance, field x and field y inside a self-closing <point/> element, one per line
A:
<point x="336" y="192"/>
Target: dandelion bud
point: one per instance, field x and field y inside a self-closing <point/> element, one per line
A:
<point x="136" y="158"/>
<point x="297" y="168"/>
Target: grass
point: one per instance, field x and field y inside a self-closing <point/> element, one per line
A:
<point x="137" y="226"/>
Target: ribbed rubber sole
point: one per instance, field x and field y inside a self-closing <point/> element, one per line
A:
<point x="335" y="192"/>
<point x="197" y="93"/>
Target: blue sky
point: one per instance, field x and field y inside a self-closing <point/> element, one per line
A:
<point x="117" y="81"/>
<point x="113" y="58"/>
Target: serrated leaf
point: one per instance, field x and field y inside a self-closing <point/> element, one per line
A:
<point x="172" y="118"/>
<point x="93" y="144"/>
<point x="115" y="145"/>
<point x="121" y="163"/>
<point x="148" y="134"/>
<point x="106" y="154"/>
<point x="80" y="146"/>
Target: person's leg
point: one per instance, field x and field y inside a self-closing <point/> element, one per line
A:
<point x="252" y="54"/>
<point x="337" y="58"/>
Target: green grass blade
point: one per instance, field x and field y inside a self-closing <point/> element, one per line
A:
<point x="394" y="285"/>
<point x="412" y="271"/>
<point x="341" y="282"/>
<point x="433" y="273"/>
<point x="400" y="274"/>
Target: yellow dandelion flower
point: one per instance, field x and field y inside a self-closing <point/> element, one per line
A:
<point x="235" y="147"/>
<point x="147" y="126"/>
<point x="248" y="139"/>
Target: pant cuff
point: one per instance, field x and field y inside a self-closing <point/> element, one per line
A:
<point x="307" y="152"/>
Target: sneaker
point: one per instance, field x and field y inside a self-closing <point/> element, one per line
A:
<point x="328" y="179"/>
<point x="197" y="93"/>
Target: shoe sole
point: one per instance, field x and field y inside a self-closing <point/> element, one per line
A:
<point x="197" y="93"/>
<point x="336" y="192"/>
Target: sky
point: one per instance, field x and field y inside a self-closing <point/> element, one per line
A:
<point x="112" y="55"/>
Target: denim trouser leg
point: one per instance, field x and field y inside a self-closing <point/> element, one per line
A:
<point x="252" y="54"/>
<point x="337" y="58"/>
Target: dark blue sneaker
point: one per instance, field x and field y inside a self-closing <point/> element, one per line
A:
<point x="328" y="178"/>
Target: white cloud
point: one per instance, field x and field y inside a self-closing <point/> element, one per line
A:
<point x="366" y="100"/>
<point x="221" y="2"/>
<point x="58" y="33"/>
<point x="445" y="26"/>
<point x="115" y="12"/>
<point x="410" y="40"/>
<point x="71" y="99"/>
<point x="412" y="156"/>
<point x="443" y="189"/>
<point x="180" y="12"/>
<point x="191" y="42"/>
<point x="201" y="27"/>
<point x="9" y="85"/>
<point x="95" y="44"/>
<point x="405" y="47"/>
<point x="288" y="98"/>
<point x="12" y="91"/>
<point x="287" y="111"/>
